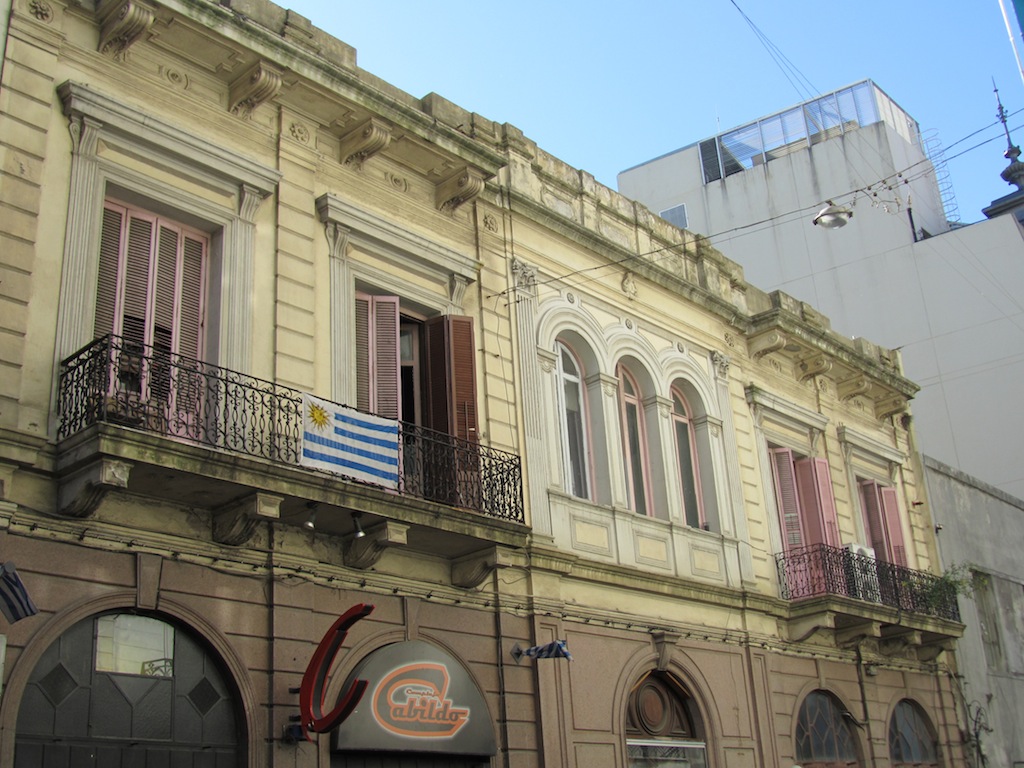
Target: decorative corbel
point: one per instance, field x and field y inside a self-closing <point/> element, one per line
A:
<point x="766" y="343"/>
<point x="904" y="645"/>
<point x="81" y="493"/>
<point x="664" y="644"/>
<point x="459" y="189"/>
<point x="720" y="363"/>
<point x="364" y="552"/>
<point x="121" y="25"/>
<point x="364" y="141"/>
<point x="851" y="388"/>
<point x="235" y="523"/>
<point x="890" y="406"/>
<point x="814" y="366"/>
<point x="457" y="285"/>
<point x="258" y="84"/>
<point x="470" y="571"/>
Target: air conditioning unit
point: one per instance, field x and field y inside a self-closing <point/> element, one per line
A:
<point x="860" y="549"/>
<point x="862" y="573"/>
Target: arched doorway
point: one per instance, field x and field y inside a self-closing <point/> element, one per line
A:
<point x="663" y="724"/>
<point x="129" y="689"/>
<point x="911" y="737"/>
<point x="824" y="738"/>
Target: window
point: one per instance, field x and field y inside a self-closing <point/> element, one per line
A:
<point x="420" y="371"/>
<point x="803" y="493"/>
<point x="634" y="442"/>
<point x="910" y="737"/>
<point x="880" y="507"/>
<point x="686" y="453"/>
<point x="663" y="725"/>
<point x="134" y="645"/>
<point x="676" y="215"/>
<point x="572" y="410"/>
<point x="823" y="737"/>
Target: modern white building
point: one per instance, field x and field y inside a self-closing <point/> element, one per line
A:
<point x="899" y="272"/>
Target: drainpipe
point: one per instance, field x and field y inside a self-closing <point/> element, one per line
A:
<point x="866" y="724"/>
<point x="500" y="639"/>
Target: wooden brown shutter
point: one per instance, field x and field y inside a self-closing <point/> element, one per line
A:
<point x="451" y="376"/>
<point x="814" y="483"/>
<point x="786" y="497"/>
<point x="893" y="525"/>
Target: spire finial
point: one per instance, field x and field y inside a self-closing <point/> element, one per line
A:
<point x="1014" y="172"/>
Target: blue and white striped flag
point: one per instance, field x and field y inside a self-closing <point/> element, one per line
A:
<point x="556" y="649"/>
<point x="14" y="600"/>
<point x="351" y="443"/>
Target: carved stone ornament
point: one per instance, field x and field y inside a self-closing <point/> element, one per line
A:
<point x="299" y="132"/>
<point x="364" y="141"/>
<point x="469" y="572"/>
<point x="766" y="343"/>
<point x="721" y="363"/>
<point x="42" y="10"/>
<point x="459" y="189"/>
<point x="258" y="84"/>
<point x="890" y="406"/>
<point x="525" y="274"/>
<point x="365" y="552"/>
<point x="402" y="185"/>
<point x="851" y="388"/>
<point x="80" y="495"/>
<point x="491" y="223"/>
<point x="629" y="285"/>
<point x="121" y="25"/>
<point x="815" y="366"/>
<point x="235" y="524"/>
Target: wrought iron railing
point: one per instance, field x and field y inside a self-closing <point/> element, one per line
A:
<point x="116" y="381"/>
<point x="823" y="570"/>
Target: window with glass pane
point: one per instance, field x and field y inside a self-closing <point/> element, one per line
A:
<point x="686" y="449"/>
<point x="134" y="645"/>
<point x="740" y="148"/>
<point x="665" y="755"/>
<point x="910" y="738"/>
<point x="823" y="737"/>
<point x="574" y="435"/>
<point x="634" y="442"/>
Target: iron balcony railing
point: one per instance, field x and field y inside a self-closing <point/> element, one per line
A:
<point x="823" y="570"/>
<point x="117" y="381"/>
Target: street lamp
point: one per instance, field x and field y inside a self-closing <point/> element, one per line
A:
<point x="833" y="216"/>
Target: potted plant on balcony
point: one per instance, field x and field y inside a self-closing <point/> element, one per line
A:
<point x="944" y="589"/>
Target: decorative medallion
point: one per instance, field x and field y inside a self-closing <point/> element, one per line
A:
<point x="41" y="10"/>
<point x="680" y="348"/>
<point x="629" y="285"/>
<point x="402" y="185"/>
<point x="299" y="132"/>
<point x="177" y="78"/>
<point x="730" y="340"/>
<point x="490" y="223"/>
<point x="629" y="324"/>
<point x="571" y="298"/>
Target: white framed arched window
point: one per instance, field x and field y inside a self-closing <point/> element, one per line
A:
<point x="634" y="442"/>
<point x="571" y="399"/>
<point x="686" y="458"/>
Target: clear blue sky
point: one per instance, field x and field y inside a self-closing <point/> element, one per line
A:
<point x="607" y="85"/>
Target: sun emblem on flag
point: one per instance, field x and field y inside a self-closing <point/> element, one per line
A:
<point x="319" y="416"/>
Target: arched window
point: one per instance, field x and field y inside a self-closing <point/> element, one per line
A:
<point x="911" y="742"/>
<point x="663" y="725"/>
<point x="572" y="412"/>
<point x="133" y="687"/>
<point x="823" y="736"/>
<point x="686" y="455"/>
<point x="634" y="442"/>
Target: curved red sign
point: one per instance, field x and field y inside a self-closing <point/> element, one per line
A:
<point x="311" y="694"/>
<point x="412" y="700"/>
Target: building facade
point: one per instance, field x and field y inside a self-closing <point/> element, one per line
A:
<point x="232" y="259"/>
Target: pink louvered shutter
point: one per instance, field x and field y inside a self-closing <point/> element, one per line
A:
<point x="135" y="300"/>
<point x="893" y="525"/>
<point x="378" y="384"/>
<point x="109" y="270"/>
<point x="814" y="482"/>
<point x="387" y="361"/>
<point x="191" y="322"/>
<point x="871" y="495"/>
<point x="786" y="497"/>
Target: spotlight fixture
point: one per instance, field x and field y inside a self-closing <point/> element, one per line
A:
<point x="310" y="523"/>
<point x="833" y="216"/>
<point x="359" y="526"/>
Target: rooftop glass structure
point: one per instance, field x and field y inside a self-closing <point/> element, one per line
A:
<point x="801" y="126"/>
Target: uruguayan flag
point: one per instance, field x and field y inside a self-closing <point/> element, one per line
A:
<point x="348" y="442"/>
<point x="14" y="600"/>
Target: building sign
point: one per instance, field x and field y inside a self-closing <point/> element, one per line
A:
<point x="418" y="699"/>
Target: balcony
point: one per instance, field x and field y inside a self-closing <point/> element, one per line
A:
<point x="823" y="570"/>
<point x="223" y="429"/>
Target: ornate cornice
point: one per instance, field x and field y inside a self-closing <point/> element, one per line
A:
<point x="364" y="141"/>
<point x="259" y="84"/>
<point x="121" y="25"/>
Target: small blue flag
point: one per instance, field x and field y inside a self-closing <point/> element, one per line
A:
<point x="14" y="600"/>
<point x="556" y="649"/>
